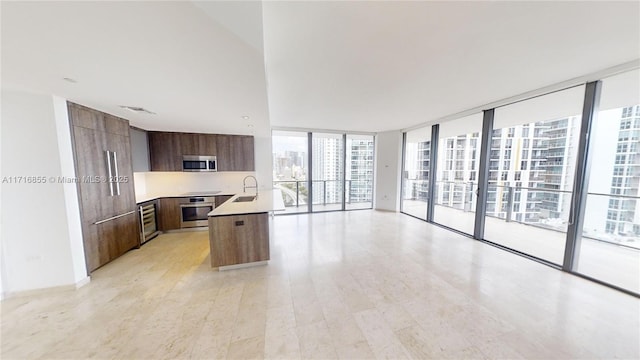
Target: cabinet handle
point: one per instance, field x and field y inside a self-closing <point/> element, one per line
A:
<point x="115" y="166"/>
<point x="110" y="174"/>
<point x="113" y="217"/>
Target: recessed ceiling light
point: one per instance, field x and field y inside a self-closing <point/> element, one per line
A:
<point x="73" y="81"/>
<point x="245" y="117"/>
<point x="137" y="109"/>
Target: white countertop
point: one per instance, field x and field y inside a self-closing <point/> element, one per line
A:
<point x="140" y="198"/>
<point x="267" y="200"/>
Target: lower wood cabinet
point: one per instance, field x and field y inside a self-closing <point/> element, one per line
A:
<point x="239" y="239"/>
<point x="108" y="240"/>
<point x="169" y="214"/>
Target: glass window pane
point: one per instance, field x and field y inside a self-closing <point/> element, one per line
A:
<point x="457" y="177"/>
<point x="531" y="171"/>
<point x="610" y="245"/>
<point x="290" y="168"/>
<point x="415" y="178"/>
<point x="328" y="171"/>
<point x="359" y="180"/>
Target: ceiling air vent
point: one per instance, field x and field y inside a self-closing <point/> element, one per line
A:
<point x="137" y="109"/>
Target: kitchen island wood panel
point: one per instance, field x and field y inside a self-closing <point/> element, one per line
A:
<point x="239" y="239"/>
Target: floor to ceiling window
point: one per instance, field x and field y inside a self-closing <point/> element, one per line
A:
<point x="610" y="244"/>
<point x="415" y="174"/>
<point x="359" y="172"/>
<point x="532" y="160"/>
<point x="291" y="168"/>
<point x="327" y="171"/>
<point x="560" y="188"/>
<point x="334" y="173"/>
<point x="457" y="173"/>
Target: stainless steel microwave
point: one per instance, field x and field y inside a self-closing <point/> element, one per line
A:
<point x="199" y="163"/>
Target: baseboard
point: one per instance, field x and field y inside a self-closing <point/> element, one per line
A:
<point x="83" y="282"/>
<point x="46" y="291"/>
<point x="386" y="210"/>
<point x="198" y="228"/>
<point x="242" y="266"/>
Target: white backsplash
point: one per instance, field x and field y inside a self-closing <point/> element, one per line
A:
<point x="174" y="183"/>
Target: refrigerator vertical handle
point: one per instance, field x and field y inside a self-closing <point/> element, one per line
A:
<point x="109" y="173"/>
<point x="117" y="178"/>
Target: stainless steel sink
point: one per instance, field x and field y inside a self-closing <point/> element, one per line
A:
<point x="245" y="198"/>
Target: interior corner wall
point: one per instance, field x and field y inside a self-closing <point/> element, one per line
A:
<point x="72" y="202"/>
<point x="388" y="165"/>
<point x="264" y="161"/>
<point x="2" y="270"/>
<point x="36" y="239"/>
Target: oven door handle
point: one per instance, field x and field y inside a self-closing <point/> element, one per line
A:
<point x="196" y="205"/>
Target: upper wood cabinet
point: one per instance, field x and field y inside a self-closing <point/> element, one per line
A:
<point x="165" y="151"/>
<point x="189" y="144"/>
<point x="236" y="153"/>
<point x="233" y="152"/>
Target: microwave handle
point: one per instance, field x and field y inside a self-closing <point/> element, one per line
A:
<point x="109" y="173"/>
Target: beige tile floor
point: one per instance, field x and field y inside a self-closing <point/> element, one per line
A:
<point x="613" y="264"/>
<point x="355" y="285"/>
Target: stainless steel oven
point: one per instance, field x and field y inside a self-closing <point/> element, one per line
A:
<point x="194" y="210"/>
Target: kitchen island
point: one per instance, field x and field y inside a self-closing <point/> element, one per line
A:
<point x="239" y="229"/>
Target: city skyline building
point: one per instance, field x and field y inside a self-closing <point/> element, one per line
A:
<point x="359" y="170"/>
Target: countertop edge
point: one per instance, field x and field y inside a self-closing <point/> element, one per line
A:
<point x="271" y="201"/>
<point x="145" y="198"/>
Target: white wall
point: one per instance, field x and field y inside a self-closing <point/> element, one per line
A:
<point x="264" y="161"/>
<point x="388" y="165"/>
<point x="39" y="248"/>
<point x="72" y="202"/>
<point x="177" y="182"/>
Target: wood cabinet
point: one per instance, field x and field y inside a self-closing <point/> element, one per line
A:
<point x="188" y="144"/>
<point x="233" y="152"/>
<point x="165" y="151"/>
<point x="169" y="214"/>
<point x="236" y="153"/>
<point x="223" y="148"/>
<point x="107" y="241"/>
<point x="207" y="144"/>
<point x="239" y="239"/>
<point x="102" y="153"/>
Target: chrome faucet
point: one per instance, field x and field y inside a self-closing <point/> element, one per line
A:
<point x="244" y="184"/>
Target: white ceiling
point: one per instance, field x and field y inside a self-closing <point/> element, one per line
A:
<point x="358" y="66"/>
<point x="173" y="58"/>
